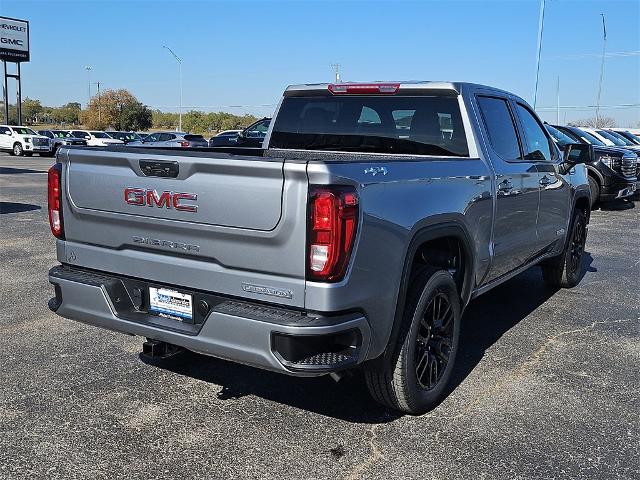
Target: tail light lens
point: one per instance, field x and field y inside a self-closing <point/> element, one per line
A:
<point x="333" y="221"/>
<point x="54" y="185"/>
<point x="184" y="144"/>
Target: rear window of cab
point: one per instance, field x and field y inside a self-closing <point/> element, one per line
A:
<point x="414" y="125"/>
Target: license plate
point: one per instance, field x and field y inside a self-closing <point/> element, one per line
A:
<point x="170" y="303"/>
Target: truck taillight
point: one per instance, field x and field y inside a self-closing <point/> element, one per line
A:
<point x="55" y="206"/>
<point x="333" y="221"/>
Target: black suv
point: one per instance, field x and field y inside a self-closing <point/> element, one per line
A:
<point x="613" y="171"/>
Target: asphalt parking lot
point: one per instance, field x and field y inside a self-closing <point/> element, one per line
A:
<point x="547" y="386"/>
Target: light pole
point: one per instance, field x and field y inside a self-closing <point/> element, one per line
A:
<point x="99" y="109"/>
<point x="604" y="46"/>
<point x="88" y="68"/>
<point x="540" y="29"/>
<point x="180" y="81"/>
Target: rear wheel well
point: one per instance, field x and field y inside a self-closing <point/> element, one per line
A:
<point x="444" y="253"/>
<point x="444" y="248"/>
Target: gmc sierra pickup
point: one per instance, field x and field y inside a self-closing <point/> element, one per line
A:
<point x="355" y="239"/>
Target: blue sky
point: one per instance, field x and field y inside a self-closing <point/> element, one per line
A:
<point x="245" y="53"/>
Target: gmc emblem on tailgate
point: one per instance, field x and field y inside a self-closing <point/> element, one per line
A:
<point x="151" y="198"/>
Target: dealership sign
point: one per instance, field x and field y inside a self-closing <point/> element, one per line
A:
<point x="14" y="40"/>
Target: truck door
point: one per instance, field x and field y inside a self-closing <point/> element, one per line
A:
<point x="517" y="188"/>
<point x="554" y="189"/>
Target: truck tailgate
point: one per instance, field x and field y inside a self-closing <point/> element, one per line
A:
<point x="231" y="193"/>
<point x="206" y="220"/>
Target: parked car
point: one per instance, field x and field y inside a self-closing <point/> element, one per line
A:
<point x="632" y="142"/>
<point x="634" y="132"/>
<point x="604" y="137"/>
<point x="631" y="145"/>
<point x="253" y="136"/>
<point x="96" y="138"/>
<point x="628" y="138"/>
<point x="126" y="137"/>
<point x="170" y="139"/>
<point x="226" y="138"/>
<point x="613" y="171"/>
<point x="20" y="140"/>
<point x="57" y="138"/>
<point x="350" y="242"/>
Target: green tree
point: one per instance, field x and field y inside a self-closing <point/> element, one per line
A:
<point x="116" y="109"/>
<point x="164" y="120"/>
<point x="196" y="121"/>
<point x="69" y="113"/>
<point x="30" y="111"/>
<point x="134" y="117"/>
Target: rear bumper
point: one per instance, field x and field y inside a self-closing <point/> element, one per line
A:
<point x="281" y="340"/>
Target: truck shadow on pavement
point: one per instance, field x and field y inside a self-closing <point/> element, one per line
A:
<point x="485" y="321"/>
<point x="11" y="207"/>
<point x="490" y="316"/>
<point x="617" y="205"/>
<point x="13" y="171"/>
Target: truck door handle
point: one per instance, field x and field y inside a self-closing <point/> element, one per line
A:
<point x="505" y="185"/>
<point x="544" y="181"/>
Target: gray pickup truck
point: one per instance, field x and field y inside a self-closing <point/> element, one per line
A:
<point x="354" y="240"/>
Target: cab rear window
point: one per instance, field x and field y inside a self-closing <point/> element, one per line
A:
<point x="415" y="125"/>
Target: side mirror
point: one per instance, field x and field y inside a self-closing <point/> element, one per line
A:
<point x="574" y="153"/>
<point x="8" y="133"/>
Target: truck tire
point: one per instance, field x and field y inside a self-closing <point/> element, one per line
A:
<point x="565" y="271"/>
<point x="414" y="381"/>
<point x="594" y="190"/>
<point x="17" y="150"/>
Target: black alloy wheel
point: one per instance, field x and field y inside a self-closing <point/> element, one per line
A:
<point x="434" y="341"/>
<point x="578" y="240"/>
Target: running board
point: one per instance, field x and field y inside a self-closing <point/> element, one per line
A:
<point x="508" y="276"/>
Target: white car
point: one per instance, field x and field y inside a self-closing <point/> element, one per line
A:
<point x="19" y="140"/>
<point x="95" y="138"/>
<point x="604" y="136"/>
<point x="634" y="131"/>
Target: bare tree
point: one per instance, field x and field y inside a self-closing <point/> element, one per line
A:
<point x="602" y="122"/>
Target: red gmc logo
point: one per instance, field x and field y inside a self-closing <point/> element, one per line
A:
<point x="151" y="198"/>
